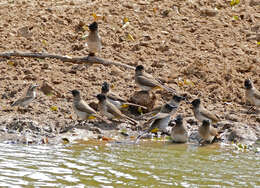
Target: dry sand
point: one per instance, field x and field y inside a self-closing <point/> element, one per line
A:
<point x="209" y="43"/>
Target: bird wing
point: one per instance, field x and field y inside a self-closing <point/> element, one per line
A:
<point x="213" y="131"/>
<point x="157" y="117"/>
<point x="257" y="94"/>
<point x="83" y="106"/>
<point x="115" y="97"/>
<point x="150" y="82"/>
<point x="112" y="109"/>
<point x="20" y="101"/>
<point x="209" y="115"/>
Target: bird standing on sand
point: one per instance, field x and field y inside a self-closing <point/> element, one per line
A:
<point x="109" y="110"/>
<point x="30" y="96"/>
<point x="207" y="132"/>
<point x="179" y="133"/>
<point x="94" y="40"/>
<point x="252" y="94"/>
<point x="160" y="121"/>
<point x="118" y="101"/>
<point x="81" y="108"/>
<point x="146" y="81"/>
<point x="201" y="113"/>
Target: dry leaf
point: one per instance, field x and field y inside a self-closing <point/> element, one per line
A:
<point x="54" y="108"/>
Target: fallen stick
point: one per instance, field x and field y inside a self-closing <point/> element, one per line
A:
<point x="78" y="60"/>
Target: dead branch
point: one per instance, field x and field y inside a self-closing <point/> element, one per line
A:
<point x="77" y="60"/>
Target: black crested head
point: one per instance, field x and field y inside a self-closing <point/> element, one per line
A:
<point x="139" y="68"/>
<point x="101" y="97"/>
<point x="248" y="84"/>
<point x="178" y="98"/>
<point x="205" y="123"/>
<point x="93" y="26"/>
<point x="178" y="119"/>
<point x="195" y="103"/>
<point x="75" y="93"/>
<point x="105" y="87"/>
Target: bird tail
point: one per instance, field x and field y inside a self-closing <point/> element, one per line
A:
<point x="15" y="103"/>
<point x="125" y="105"/>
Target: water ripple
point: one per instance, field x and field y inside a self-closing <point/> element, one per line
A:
<point x="148" y="165"/>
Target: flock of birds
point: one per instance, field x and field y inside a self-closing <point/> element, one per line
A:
<point x="110" y="104"/>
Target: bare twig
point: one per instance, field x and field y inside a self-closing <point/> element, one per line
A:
<point x="77" y="60"/>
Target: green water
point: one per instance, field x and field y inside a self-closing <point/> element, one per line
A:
<point x="149" y="164"/>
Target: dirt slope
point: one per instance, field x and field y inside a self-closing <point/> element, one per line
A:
<point x="209" y="43"/>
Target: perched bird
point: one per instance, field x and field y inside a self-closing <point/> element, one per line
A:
<point x="252" y="94"/>
<point x="30" y="96"/>
<point x="179" y="133"/>
<point x="109" y="110"/>
<point x="159" y="121"/>
<point x="146" y="81"/>
<point x="118" y="101"/>
<point x="207" y="132"/>
<point x="81" y="108"/>
<point x="201" y="113"/>
<point x="94" y="40"/>
<point x="175" y="101"/>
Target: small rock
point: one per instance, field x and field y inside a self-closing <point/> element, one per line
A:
<point x="45" y="66"/>
<point x="209" y="12"/>
<point x="27" y="72"/>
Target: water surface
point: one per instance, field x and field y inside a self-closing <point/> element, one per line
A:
<point x="149" y="164"/>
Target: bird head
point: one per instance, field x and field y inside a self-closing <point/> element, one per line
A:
<point x="139" y="68"/>
<point x="248" y="84"/>
<point x="75" y="93"/>
<point x="195" y="103"/>
<point x="93" y="26"/>
<point x="105" y="87"/>
<point x="33" y="86"/>
<point x="205" y="123"/>
<point x="178" y="120"/>
<point x="101" y="97"/>
<point x="177" y="98"/>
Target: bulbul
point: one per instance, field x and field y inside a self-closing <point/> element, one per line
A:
<point x="118" y="101"/>
<point x="179" y="133"/>
<point x="175" y="101"/>
<point x="94" y="40"/>
<point x="30" y="96"/>
<point x="160" y="121"/>
<point x="201" y="113"/>
<point x="252" y="94"/>
<point x="81" y="108"/>
<point x="146" y="81"/>
<point x="109" y="110"/>
<point x="207" y="132"/>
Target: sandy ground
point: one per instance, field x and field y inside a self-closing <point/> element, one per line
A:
<point x="201" y="48"/>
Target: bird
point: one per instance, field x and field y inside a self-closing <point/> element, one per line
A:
<point x="93" y="39"/>
<point x="201" y="113"/>
<point x="179" y="133"/>
<point x="252" y="94"/>
<point x="146" y="81"/>
<point x="81" y="108"/>
<point x="29" y="97"/>
<point x="118" y="101"/>
<point x="160" y="121"/>
<point x="175" y="101"/>
<point x="109" y="110"/>
<point x="207" y="132"/>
